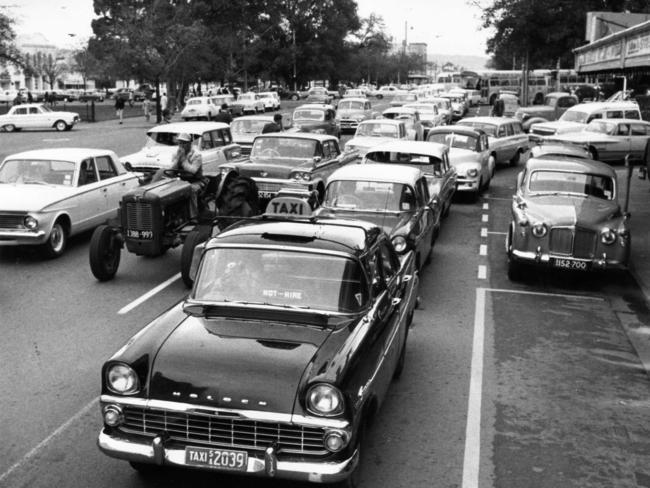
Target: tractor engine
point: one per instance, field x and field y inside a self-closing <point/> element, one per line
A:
<point x="152" y="215"/>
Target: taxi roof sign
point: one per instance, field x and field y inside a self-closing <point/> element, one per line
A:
<point x="288" y="207"/>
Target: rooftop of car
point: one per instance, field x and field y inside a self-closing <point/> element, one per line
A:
<point x="322" y="233"/>
<point x="456" y="129"/>
<point x="354" y="99"/>
<point x="195" y="127"/>
<point x="61" y="153"/>
<point x="265" y="118"/>
<point x="588" y="106"/>
<point x="299" y="135"/>
<point x="379" y="172"/>
<point x="423" y="148"/>
<point x="568" y="163"/>
<point x="382" y="121"/>
<point x="488" y="120"/>
<point x="321" y="106"/>
<point x="399" y="110"/>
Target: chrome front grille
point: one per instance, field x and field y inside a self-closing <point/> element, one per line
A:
<point x="224" y="432"/>
<point x="139" y="216"/>
<point x="263" y="186"/>
<point x="575" y="242"/>
<point x="12" y="221"/>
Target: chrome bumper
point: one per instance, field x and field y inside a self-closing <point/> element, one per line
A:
<point x="467" y="184"/>
<point x="544" y="259"/>
<point x="21" y="237"/>
<point x="266" y="465"/>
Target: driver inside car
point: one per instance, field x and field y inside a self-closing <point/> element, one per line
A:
<point x="188" y="160"/>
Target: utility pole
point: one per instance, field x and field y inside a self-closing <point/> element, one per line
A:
<point x="293" y="50"/>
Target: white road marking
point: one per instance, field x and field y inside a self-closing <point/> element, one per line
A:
<point x="498" y="233"/>
<point x="49" y="438"/>
<point x="486" y="206"/>
<point x="484" y="232"/>
<point x="496" y="198"/>
<point x="148" y="295"/>
<point x="482" y="250"/>
<point x="472" y="457"/>
<point x="485" y="217"/>
<point x="482" y="272"/>
<point x="55" y="140"/>
<point x="544" y="294"/>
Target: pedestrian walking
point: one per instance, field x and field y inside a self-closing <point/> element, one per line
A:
<point x="146" y="106"/>
<point x="164" y="109"/>
<point x="119" y="107"/>
<point x="223" y="115"/>
<point x="30" y="97"/>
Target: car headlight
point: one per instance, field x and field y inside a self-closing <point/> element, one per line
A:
<point x="608" y="237"/>
<point x="538" y="230"/>
<point x="121" y="379"/>
<point x="324" y="399"/>
<point x="399" y="243"/>
<point x="30" y="223"/>
<point x="472" y="173"/>
<point x="304" y="176"/>
<point x="225" y="169"/>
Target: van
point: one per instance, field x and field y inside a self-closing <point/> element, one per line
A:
<point x="576" y="117"/>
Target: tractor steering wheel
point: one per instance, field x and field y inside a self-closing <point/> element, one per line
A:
<point x="180" y="173"/>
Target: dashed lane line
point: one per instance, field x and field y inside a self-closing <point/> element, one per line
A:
<point x="148" y="295"/>
<point x="482" y="250"/>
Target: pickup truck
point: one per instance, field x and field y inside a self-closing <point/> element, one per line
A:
<point x="555" y="104"/>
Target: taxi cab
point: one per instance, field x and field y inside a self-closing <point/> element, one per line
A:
<point x="306" y="321"/>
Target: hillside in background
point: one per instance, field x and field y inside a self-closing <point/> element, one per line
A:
<point x="471" y="63"/>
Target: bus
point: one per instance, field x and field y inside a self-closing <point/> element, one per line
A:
<point x="492" y="82"/>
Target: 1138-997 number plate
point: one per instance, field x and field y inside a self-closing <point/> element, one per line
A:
<point x="217" y="458"/>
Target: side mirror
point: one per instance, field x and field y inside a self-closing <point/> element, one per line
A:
<point x="128" y="166"/>
<point x="317" y="159"/>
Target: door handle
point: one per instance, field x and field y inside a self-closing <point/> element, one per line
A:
<point x="104" y="190"/>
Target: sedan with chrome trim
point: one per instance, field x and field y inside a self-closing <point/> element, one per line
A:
<point x="277" y="361"/>
<point x="566" y="215"/>
<point x="49" y="195"/>
<point x="37" y="116"/>
<point x="298" y="160"/>
<point x="393" y="196"/>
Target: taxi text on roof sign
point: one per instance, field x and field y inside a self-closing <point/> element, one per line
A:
<point x="288" y="207"/>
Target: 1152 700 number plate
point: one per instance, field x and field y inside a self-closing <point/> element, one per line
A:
<point x="216" y="458"/>
<point x="570" y="264"/>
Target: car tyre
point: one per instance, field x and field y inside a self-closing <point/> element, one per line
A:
<point x="60" y="125"/>
<point x="144" y="469"/>
<point x="104" y="255"/>
<point x="195" y="237"/>
<point x="56" y="241"/>
<point x="9" y="128"/>
<point x="294" y="97"/>
<point x="515" y="270"/>
<point x="380" y="96"/>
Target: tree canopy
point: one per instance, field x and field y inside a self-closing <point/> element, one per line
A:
<point x="543" y="30"/>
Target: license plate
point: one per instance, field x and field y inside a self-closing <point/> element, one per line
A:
<point x="146" y="235"/>
<point x="266" y="194"/>
<point x="570" y="264"/>
<point x="216" y="458"/>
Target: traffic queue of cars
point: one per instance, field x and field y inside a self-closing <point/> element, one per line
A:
<point x="303" y="266"/>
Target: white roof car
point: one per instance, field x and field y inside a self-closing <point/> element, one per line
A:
<point x="271" y="100"/>
<point x="370" y="133"/>
<point x="213" y="140"/>
<point x="51" y="194"/>
<point x="249" y="102"/>
<point x="199" y="108"/>
<point x="37" y="116"/>
<point x="576" y="117"/>
<point x="246" y="128"/>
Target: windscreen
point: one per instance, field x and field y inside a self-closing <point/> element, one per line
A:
<point x="270" y="148"/>
<point x="284" y="278"/>
<point x="377" y="129"/>
<point x="451" y="139"/>
<point x="306" y="114"/>
<point x="585" y="184"/>
<point x="37" y="171"/>
<point x="370" y="195"/>
<point x="239" y="126"/>
<point x="574" y="116"/>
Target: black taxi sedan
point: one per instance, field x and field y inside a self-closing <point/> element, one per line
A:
<point x="393" y="196"/>
<point x="276" y="361"/>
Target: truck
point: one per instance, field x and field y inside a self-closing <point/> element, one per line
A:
<point x="555" y="104"/>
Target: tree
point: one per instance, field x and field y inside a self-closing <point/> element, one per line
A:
<point x="52" y="67"/>
<point x="85" y="63"/>
<point x="543" y="31"/>
<point x="8" y="50"/>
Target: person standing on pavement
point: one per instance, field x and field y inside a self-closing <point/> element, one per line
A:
<point x="119" y="107"/>
<point x="163" y="107"/>
<point x="223" y="115"/>
<point x="146" y="106"/>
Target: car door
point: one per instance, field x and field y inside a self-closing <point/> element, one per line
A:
<point x="425" y="228"/>
<point x="88" y="202"/>
<point x="619" y="145"/>
<point x="639" y="134"/>
<point x="112" y="186"/>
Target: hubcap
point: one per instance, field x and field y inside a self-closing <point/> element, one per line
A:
<point x="56" y="238"/>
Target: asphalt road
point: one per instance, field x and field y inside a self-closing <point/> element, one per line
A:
<point x="533" y="384"/>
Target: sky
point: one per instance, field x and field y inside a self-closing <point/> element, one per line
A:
<point x="447" y="26"/>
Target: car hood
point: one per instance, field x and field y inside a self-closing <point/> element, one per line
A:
<point x="586" y="137"/>
<point x="561" y="126"/>
<point x="557" y="210"/>
<point x="154" y="156"/>
<point x="244" y="138"/>
<point x="31" y="198"/>
<point x="342" y="113"/>
<point x="461" y="157"/>
<point x="271" y="168"/>
<point x="225" y="361"/>
<point x="389" y="221"/>
<point x="535" y="110"/>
